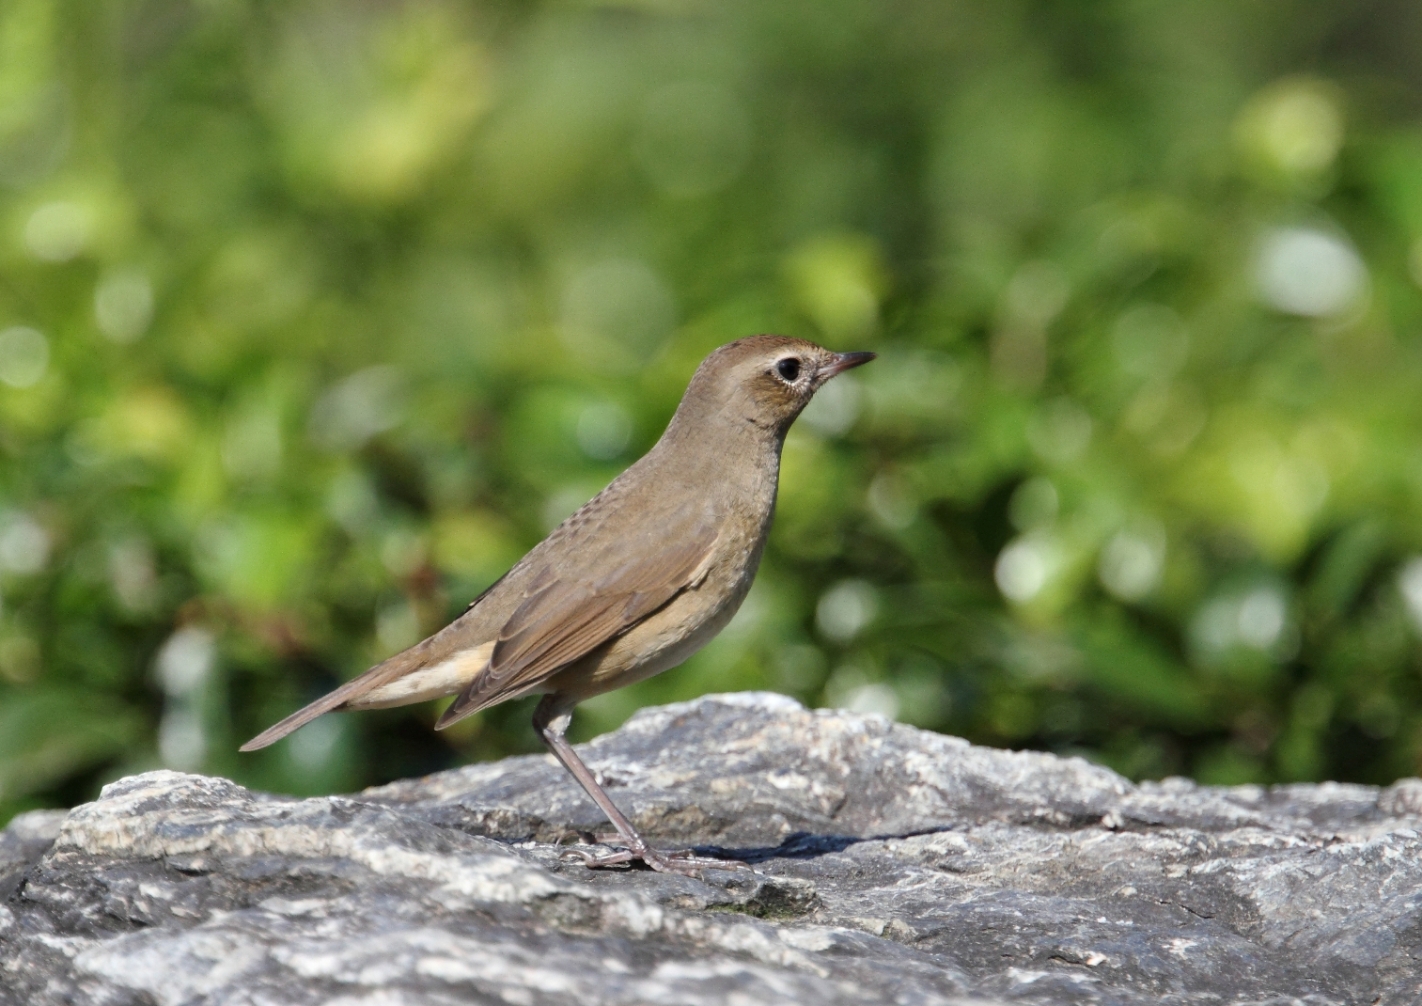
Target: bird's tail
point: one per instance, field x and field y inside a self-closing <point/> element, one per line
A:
<point x="380" y="674"/>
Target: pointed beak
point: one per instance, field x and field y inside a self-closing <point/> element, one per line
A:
<point x="846" y="361"/>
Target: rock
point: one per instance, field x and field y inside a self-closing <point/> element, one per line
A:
<point x="891" y="865"/>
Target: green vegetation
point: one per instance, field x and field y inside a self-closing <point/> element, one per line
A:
<point x="314" y="316"/>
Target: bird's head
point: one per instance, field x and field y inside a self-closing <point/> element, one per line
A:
<point x="764" y="380"/>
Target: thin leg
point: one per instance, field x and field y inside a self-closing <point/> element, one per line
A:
<point x="551" y="720"/>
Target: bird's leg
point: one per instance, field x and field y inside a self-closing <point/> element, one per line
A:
<point x="551" y="721"/>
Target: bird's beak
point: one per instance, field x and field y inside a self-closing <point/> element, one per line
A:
<point x="846" y="361"/>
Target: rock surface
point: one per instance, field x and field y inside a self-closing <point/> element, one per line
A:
<point x="891" y="866"/>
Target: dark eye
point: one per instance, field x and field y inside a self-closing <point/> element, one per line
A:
<point x="788" y="368"/>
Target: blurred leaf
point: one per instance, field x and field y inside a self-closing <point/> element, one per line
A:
<point x="49" y="734"/>
<point x="315" y="317"/>
<point x="1128" y="669"/>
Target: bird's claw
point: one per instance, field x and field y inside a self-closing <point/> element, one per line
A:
<point x="687" y="862"/>
<point x="681" y="861"/>
<point x="595" y="860"/>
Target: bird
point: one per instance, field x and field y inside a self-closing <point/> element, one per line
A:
<point x="633" y="583"/>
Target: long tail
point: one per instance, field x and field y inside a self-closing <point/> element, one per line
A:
<point x="372" y="679"/>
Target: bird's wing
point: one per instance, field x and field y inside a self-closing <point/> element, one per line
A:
<point x="565" y="616"/>
<point x="382" y="673"/>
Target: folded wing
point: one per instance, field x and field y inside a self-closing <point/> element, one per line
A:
<point x="565" y="616"/>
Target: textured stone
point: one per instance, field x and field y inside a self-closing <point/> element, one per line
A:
<point x="890" y="866"/>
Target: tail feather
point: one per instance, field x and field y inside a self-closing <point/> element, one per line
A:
<point x="466" y="705"/>
<point x="378" y="675"/>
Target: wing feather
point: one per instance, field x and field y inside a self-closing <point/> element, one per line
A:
<point x="564" y="619"/>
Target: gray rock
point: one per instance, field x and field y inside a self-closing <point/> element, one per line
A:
<point x="890" y="866"/>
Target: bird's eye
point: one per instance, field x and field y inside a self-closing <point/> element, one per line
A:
<point x="788" y="368"/>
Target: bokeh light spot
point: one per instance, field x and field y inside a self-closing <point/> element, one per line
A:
<point x="357" y="408"/>
<point x="183" y="667"/>
<point x="846" y="609"/>
<point x="1309" y="272"/>
<point x="24" y="356"/>
<point x="1036" y="294"/>
<point x="604" y="429"/>
<point x="24" y="543"/>
<point x="1023" y="568"/>
<point x="1132" y="560"/>
<point x="1295" y="126"/>
<point x="838" y="280"/>
<point x="58" y="231"/>
<point x="891" y="501"/>
<point x="123" y="305"/>
<point x="1261" y="618"/>
<point x="835" y="407"/>
<point x="397" y="626"/>
<point x="186" y="660"/>
<point x="1060" y="431"/>
<point x="850" y="688"/>
<point x="1409" y="582"/>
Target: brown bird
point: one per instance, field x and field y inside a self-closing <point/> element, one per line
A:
<point x="639" y="579"/>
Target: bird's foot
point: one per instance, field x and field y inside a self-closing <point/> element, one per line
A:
<point x="687" y="862"/>
<point x="682" y="861"/>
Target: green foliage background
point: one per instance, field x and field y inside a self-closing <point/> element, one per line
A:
<point x="315" y="315"/>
